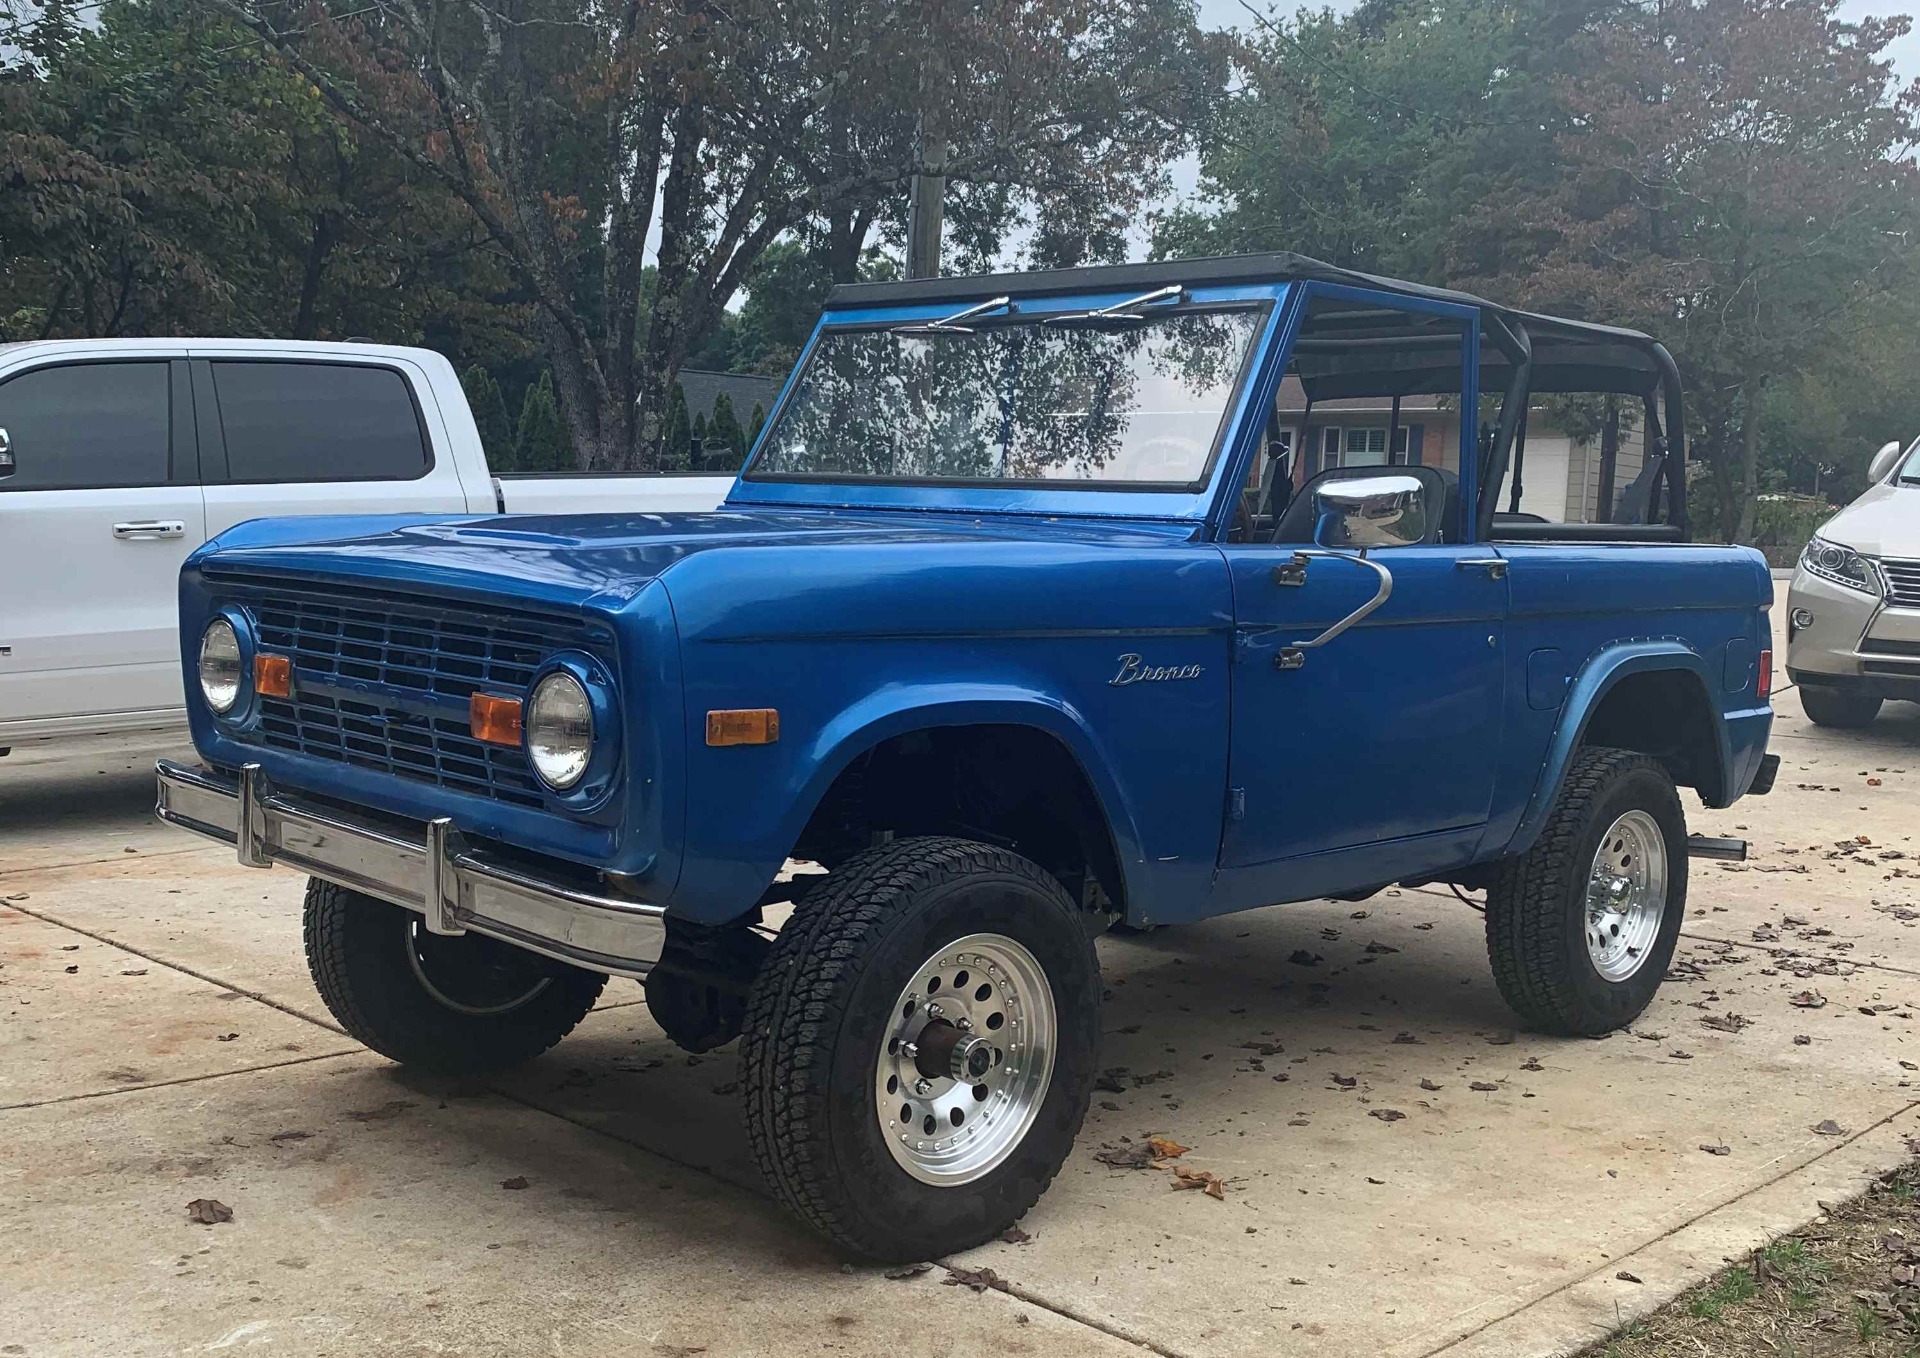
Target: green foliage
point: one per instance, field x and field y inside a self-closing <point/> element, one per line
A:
<point x="489" y="408"/>
<point x="540" y="443"/>
<point x="676" y="448"/>
<point x="756" y="424"/>
<point x="726" y="446"/>
<point x="1730" y="1289"/>
<point x="697" y="442"/>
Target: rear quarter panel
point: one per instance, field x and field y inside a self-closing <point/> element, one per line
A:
<point x="1582" y="615"/>
<point x="866" y="641"/>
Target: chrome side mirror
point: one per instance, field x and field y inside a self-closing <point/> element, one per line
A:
<point x="6" y="454"/>
<point x="1883" y="461"/>
<point x="1372" y="511"/>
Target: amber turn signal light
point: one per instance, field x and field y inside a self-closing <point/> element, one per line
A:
<point x="743" y="726"/>
<point x="494" y="720"/>
<point x="273" y="676"/>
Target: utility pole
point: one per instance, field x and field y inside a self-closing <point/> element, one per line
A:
<point x="927" y="205"/>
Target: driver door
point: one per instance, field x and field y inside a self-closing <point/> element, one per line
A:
<point x="1388" y="732"/>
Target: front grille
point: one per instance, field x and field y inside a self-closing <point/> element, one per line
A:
<point x="1903" y="582"/>
<point x="384" y="682"/>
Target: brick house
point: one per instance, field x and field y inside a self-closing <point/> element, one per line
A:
<point x="1561" y="477"/>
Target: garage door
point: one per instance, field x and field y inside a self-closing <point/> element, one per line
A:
<point x="1543" y="483"/>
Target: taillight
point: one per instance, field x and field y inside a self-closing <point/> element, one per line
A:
<point x="1764" y="684"/>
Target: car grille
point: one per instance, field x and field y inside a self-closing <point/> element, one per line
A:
<point x="384" y="682"/>
<point x="1903" y="582"/>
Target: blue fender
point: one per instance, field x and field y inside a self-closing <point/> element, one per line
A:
<point x="1604" y="669"/>
<point x="896" y="711"/>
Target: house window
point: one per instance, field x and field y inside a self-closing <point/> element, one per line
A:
<point x="1365" y="447"/>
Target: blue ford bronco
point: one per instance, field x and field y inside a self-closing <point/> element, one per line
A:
<point x="1032" y="613"/>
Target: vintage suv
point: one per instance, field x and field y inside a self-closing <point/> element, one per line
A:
<point x="1015" y="626"/>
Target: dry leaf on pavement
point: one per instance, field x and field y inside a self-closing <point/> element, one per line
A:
<point x="978" y="1279"/>
<point x="208" y="1211"/>
<point x="1205" y="1180"/>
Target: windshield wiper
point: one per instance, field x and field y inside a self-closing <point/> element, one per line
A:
<point x="950" y="325"/>
<point x="1119" y="314"/>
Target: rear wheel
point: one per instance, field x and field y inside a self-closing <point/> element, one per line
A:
<point x="1831" y="707"/>
<point x="458" y="1005"/>
<point x="919" y="1048"/>
<point x="1580" y="928"/>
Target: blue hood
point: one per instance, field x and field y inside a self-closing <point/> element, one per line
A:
<point x="603" y="559"/>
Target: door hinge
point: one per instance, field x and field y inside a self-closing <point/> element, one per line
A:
<point x="1236" y="803"/>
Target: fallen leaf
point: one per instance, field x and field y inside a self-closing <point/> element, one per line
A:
<point x="1727" y="1023"/>
<point x="909" y="1271"/>
<point x="1829" y="1128"/>
<point x="1380" y="949"/>
<point x="136" y="971"/>
<point x="1808" y="999"/>
<point x="1716" y="1150"/>
<point x="1386" y="1114"/>
<point x="1136" y="1156"/>
<point x="1626" y="1277"/>
<point x="1429" y="1086"/>
<point x="1300" y="957"/>
<point x="978" y="1279"/>
<point x="1013" y="1235"/>
<point x="1532" y="1063"/>
<point x="1802" y="1040"/>
<point x="1679" y="1055"/>
<point x="1483" y="1087"/>
<point x="1204" y="1179"/>
<point x="208" y="1211"/>
<point x="518" y="1181"/>
<point x="226" y="1037"/>
<point x="283" y="1137"/>
<point x="1404" y="1039"/>
<point x="1166" y="1148"/>
<point x="1345" y="1081"/>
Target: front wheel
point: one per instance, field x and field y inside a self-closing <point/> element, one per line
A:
<point x="459" y="1005"/>
<point x="1580" y="928"/>
<point x="919" y="1048"/>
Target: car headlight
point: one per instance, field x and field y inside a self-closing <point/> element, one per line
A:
<point x="220" y="666"/>
<point x="559" y="730"/>
<point x="1842" y="565"/>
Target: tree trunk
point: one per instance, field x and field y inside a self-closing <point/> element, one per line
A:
<point x="1753" y="393"/>
<point x="319" y="247"/>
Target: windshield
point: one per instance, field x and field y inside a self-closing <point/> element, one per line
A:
<point x="1104" y="404"/>
<point x="1910" y="469"/>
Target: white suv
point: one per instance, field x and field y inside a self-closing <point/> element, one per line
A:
<point x="1853" y="610"/>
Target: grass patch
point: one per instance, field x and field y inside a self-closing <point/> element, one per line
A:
<point x="1846" y="1287"/>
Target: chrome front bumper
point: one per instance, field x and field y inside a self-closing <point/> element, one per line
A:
<point x="452" y="885"/>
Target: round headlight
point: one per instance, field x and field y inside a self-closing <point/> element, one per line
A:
<point x="220" y="665"/>
<point x="559" y="730"/>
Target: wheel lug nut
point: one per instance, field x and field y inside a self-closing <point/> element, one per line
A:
<point x="923" y="1087"/>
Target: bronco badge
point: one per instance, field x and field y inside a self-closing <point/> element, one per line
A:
<point x="1133" y="672"/>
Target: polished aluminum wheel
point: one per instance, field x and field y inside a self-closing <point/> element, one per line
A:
<point x="1626" y="895"/>
<point x="967" y="1057"/>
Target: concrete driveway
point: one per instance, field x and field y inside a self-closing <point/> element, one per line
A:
<point x="160" y="1042"/>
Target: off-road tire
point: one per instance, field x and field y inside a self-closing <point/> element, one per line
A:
<point x="816" y="1019"/>
<point x="357" y="950"/>
<point x="1833" y="707"/>
<point x="1536" y="907"/>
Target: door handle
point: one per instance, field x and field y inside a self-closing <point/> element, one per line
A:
<point x="1494" y="566"/>
<point x="1293" y="657"/>
<point x="147" y="529"/>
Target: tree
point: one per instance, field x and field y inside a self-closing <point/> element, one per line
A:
<point x="756" y="424"/>
<point x="489" y="408"/>
<point x="160" y="174"/>
<point x="1736" y="178"/>
<point x="572" y="132"/>
<point x="676" y="449"/>
<point x="726" y="441"/>
<point x="540" y="441"/>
